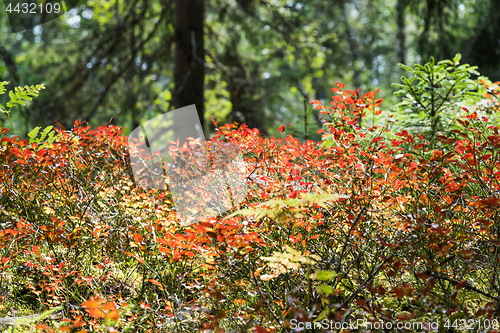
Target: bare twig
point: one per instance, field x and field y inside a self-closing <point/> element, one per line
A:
<point x="467" y="285"/>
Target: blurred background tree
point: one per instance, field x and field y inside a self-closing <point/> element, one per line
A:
<point x="249" y="61"/>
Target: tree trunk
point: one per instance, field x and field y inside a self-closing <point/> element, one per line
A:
<point x="353" y="47"/>
<point x="189" y="66"/>
<point x="244" y="110"/>
<point x="244" y="105"/>
<point x="400" y="7"/>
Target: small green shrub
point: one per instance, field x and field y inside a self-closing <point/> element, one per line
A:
<point x="435" y="95"/>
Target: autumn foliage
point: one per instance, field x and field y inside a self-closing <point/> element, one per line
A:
<point x="366" y="224"/>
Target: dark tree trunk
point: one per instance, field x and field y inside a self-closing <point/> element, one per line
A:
<point x="400" y="7"/>
<point x="353" y="46"/>
<point x="241" y="87"/>
<point x="244" y="110"/>
<point x="189" y="67"/>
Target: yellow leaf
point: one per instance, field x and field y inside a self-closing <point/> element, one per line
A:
<point x="49" y="211"/>
<point x="267" y="277"/>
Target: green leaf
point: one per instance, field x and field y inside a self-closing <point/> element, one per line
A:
<point x="12" y="96"/>
<point x="2" y="87"/>
<point x="324" y="275"/>
<point x="33" y="133"/>
<point x="50" y="137"/>
<point x="325" y="289"/>
<point x="406" y="68"/>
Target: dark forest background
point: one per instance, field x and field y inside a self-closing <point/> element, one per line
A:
<point x="248" y="61"/>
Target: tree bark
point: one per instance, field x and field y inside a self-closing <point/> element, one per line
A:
<point x="189" y="63"/>
<point x="400" y="7"/>
<point x="353" y="46"/>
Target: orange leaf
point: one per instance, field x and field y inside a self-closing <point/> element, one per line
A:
<point x="488" y="202"/>
<point x="180" y="237"/>
<point x="113" y="315"/>
<point x="258" y="271"/>
<point x="361" y="303"/>
<point x="480" y="312"/>
<point x="96" y="313"/>
<point x="349" y="99"/>
<point x="137" y="237"/>
<point x="77" y="324"/>
<point x="17" y="152"/>
<point x="162" y="241"/>
<point x="109" y="306"/>
<point x="260" y="329"/>
<point x="163" y="249"/>
<point x="190" y="237"/>
<point x="27" y="153"/>
<point x="398" y="292"/>
<point x="201" y="229"/>
<point x="91" y="304"/>
<point x="46" y="328"/>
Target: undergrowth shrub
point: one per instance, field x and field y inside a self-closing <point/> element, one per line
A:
<point x="435" y="94"/>
<point x="373" y="223"/>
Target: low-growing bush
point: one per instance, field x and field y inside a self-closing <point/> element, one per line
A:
<point x="372" y="223"/>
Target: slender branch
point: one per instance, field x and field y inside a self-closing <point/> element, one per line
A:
<point x="267" y="304"/>
<point x="349" y="236"/>
<point x="449" y="91"/>
<point x="467" y="286"/>
<point x="362" y="286"/>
